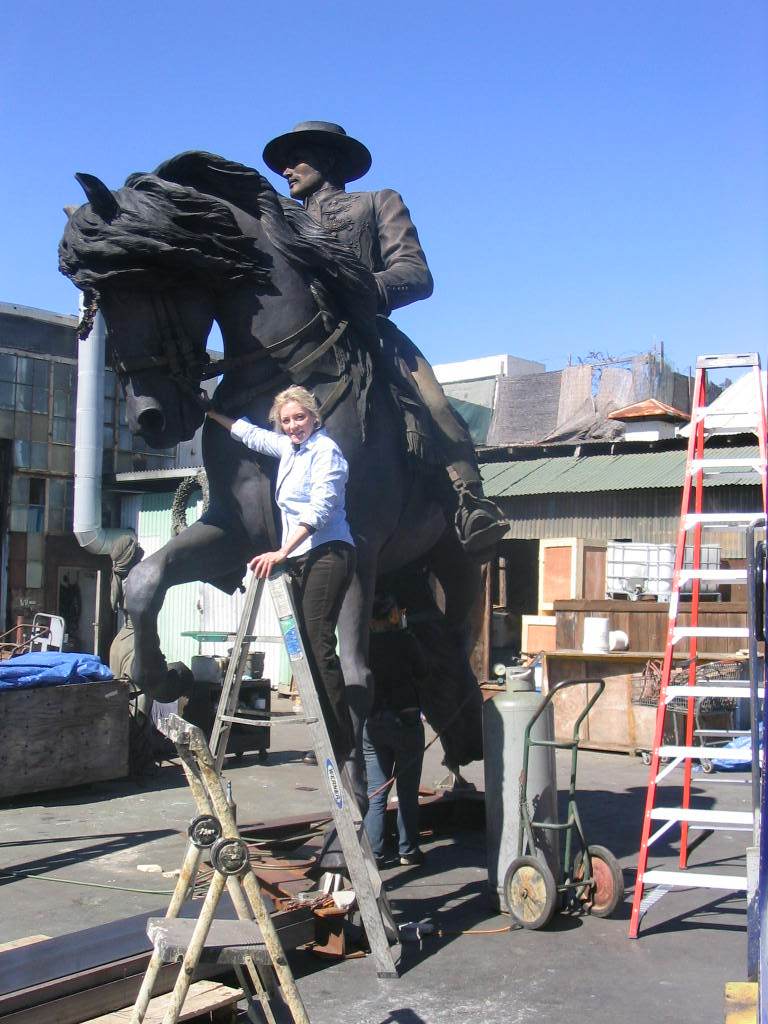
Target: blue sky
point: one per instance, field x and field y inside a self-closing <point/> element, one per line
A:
<point x="585" y="175"/>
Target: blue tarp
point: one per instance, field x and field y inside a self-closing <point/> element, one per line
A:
<point x="51" y="668"/>
<point x="728" y="764"/>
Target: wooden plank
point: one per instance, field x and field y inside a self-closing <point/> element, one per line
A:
<point x="741" y="1002"/>
<point x="645" y="622"/>
<point x="28" y="940"/>
<point x="75" y="1007"/>
<point x="62" y="972"/>
<point x="203" y="997"/>
<point x="57" y="736"/>
<point x="594" y="571"/>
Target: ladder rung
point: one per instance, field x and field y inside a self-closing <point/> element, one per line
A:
<point x="694" y="880"/>
<point x="721" y="520"/>
<point x="726" y="466"/>
<point x="737" y="422"/>
<point x="719" y="575"/>
<point x="701" y="817"/>
<point x="707" y="753"/>
<point x="730" y="733"/>
<point x="683" y="632"/>
<point x="721" y="361"/>
<point x="267" y="720"/>
<point x="706" y="690"/>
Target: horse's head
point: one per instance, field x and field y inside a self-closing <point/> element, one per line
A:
<point x="152" y="255"/>
<point x="157" y="340"/>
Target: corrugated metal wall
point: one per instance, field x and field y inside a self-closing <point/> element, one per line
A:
<point x="645" y="516"/>
<point x="194" y="606"/>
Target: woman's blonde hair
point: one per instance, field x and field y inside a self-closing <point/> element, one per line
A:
<point x="295" y="393"/>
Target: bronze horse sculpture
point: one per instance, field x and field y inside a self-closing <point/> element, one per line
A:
<point x="203" y="239"/>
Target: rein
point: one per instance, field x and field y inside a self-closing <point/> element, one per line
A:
<point x="188" y="367"/>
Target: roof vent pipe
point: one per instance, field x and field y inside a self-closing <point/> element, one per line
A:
<point x="89" y="436"/>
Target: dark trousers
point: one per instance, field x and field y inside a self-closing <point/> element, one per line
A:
<point x="321" y="578"/>
<point x="393" y="744"/>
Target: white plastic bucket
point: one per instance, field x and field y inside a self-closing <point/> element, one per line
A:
<point x="595" y="635"/>
<point x="618" y="640"/>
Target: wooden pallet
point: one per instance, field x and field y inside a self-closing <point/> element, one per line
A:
<point x="204" y="997"/>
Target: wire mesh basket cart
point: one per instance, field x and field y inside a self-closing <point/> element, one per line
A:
<point x="713" y="716"/>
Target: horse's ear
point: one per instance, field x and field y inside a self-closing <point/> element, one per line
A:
<point x="99" y="196"/>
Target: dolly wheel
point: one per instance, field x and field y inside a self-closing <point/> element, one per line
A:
<point x="530" y="892"/>
<point x="604" y="896"/>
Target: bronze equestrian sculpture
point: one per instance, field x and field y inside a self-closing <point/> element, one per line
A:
<point x="318" y="159"/>
<point x="205" y="239"/>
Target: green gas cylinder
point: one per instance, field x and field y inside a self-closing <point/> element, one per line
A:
<point x="505" y="718"/>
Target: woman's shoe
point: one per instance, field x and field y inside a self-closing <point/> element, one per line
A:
<point x="412" y="859"/>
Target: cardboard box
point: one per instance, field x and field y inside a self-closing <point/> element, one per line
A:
<point x="539" y="633"/>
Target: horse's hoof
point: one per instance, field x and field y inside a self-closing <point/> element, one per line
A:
<point x="178" y="682"/>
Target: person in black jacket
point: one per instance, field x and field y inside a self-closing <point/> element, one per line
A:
<point x="393" y="736"/>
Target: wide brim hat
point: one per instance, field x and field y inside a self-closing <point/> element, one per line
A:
<point x="354" y="159"/>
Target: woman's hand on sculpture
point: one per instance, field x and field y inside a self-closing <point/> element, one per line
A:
<point x="220" y="418"/>
<point x="262" y="565"/>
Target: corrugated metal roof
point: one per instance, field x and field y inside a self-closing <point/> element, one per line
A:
<point x="593" y="473"/>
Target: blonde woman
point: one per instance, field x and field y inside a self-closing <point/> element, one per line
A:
<point x="317" y="544"/>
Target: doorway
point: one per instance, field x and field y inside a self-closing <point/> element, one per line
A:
<point x="78" y="606"/>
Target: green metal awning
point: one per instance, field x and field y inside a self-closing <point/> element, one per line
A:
<point x="628" y="471"/>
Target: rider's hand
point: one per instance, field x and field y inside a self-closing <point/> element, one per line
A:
<point x="262" y="565"/>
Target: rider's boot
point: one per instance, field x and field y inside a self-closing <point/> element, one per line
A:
<point x="480" y="523"/>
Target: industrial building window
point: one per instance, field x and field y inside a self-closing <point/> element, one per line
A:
<point x="23" y="383"/>
<point x="64" y="403"/>
<point x="60" y="500"/>
<point x="27" y="504"/>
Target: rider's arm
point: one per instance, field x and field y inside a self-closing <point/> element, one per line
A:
<point x="405" y="277"/>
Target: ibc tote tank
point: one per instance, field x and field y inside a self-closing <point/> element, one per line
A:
<point x="505" y="718"/>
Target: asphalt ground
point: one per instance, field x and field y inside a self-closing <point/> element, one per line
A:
<point x="124" y="838"/>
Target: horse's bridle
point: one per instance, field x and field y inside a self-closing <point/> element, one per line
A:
<point x="181" y="359"/>
<point x="187" y="366"/>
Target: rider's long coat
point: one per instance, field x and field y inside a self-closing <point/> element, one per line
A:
<point x="378" y="227"/>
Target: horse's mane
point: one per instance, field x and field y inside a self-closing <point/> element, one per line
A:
<point x="175" y="220"/>
<point x="161" y="230"/>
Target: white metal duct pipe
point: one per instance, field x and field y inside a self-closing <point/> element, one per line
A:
<point x="89" y="438"/>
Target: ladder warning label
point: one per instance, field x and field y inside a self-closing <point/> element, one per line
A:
<point x="334" y="784"/>
<point x="291" y="638"/>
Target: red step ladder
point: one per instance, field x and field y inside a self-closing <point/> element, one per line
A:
<point x="705" y="423"/>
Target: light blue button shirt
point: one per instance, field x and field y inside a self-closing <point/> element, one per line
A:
<point x="311" y="483"/>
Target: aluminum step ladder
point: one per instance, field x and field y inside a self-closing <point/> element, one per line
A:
<point x="380" y="928"/>
<point x="251" y="943"/>
<point x="706" y="423"/>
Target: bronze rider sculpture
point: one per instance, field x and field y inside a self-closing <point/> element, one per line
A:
<point x="318" y="159"/>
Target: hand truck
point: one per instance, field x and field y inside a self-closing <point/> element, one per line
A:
<point x="590" y="876"/>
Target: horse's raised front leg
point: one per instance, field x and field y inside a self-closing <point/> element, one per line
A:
<point x="202" y="551"/>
